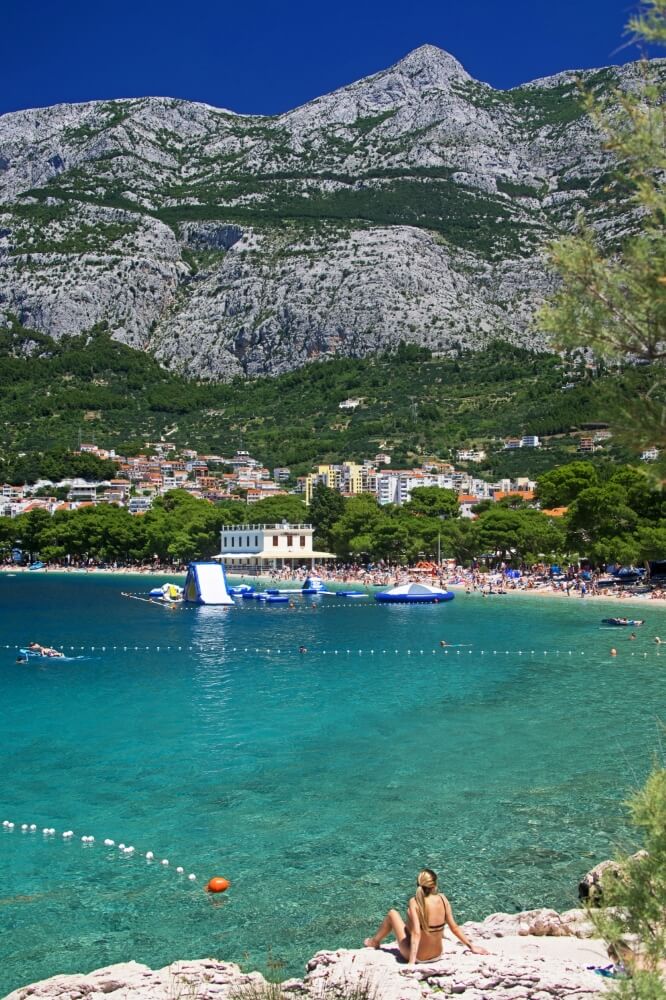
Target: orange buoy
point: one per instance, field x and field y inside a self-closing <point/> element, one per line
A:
<point x="218" y="885"/>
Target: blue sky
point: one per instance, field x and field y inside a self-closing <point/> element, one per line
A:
<point x="255" y="56"/>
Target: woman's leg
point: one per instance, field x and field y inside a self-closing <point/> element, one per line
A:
<point x="391" y="924"/>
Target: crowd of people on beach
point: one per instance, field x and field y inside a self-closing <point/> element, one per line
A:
<point x="503" y="579"/>
<point x="573" y="581"/>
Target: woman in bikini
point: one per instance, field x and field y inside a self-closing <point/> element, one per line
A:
<point x="428" y="913"/>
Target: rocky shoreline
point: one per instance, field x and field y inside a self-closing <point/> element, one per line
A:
<point x="534" y="955"/>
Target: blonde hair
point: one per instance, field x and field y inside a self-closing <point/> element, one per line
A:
<point x="426" y="883"/>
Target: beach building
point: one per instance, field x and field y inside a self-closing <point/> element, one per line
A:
<point x="256" y="548"/>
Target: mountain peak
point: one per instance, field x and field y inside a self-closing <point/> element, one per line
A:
<point x="431" y="65"/>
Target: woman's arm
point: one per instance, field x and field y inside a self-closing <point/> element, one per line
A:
<point x="414" y="930"/>
<point x="475" y="949"/>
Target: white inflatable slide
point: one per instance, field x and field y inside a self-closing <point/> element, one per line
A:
<point x="206" y="583"/>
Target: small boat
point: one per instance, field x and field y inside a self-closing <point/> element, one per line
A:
<point x="634" y="622"/>
<point x="36" y="565"/>
<point x="414" y="593"/>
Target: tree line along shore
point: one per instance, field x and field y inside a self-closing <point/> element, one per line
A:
<point x="580" y="512"/>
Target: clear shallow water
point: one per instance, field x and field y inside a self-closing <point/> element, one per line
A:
<point x="318" y="784"/>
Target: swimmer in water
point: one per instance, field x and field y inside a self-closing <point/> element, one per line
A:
<point x="35" y="647"/>
<point x="302" y="649"/>
<point x="443" y="642"/>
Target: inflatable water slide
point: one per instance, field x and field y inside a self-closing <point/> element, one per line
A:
<point x="206" y="583"/>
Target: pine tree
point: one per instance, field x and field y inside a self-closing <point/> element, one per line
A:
<point x="614" y="302"/>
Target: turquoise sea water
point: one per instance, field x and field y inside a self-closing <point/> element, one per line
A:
<point x="318" y="784"/>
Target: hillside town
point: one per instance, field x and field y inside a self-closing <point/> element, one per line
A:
<point x="142" y="478"/>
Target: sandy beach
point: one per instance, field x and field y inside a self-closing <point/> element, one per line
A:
<point x="459" y="587"/>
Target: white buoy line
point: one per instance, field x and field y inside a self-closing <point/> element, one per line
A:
<point x="448" y="650"/>
<point x="127" y="850"/>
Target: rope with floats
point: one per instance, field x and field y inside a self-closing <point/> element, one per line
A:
<point x="87" y="840"/>
<point x="199" y="647"/>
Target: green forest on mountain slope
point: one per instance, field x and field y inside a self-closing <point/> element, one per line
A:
<point x="52" y="395"/>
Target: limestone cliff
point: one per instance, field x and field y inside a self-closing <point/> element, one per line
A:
<point x="412" y="205"/>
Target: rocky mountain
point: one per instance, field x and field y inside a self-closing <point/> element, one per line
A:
<point x="412" y="205"/>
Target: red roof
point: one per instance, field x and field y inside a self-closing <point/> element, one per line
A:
<point x="525" y="494"/>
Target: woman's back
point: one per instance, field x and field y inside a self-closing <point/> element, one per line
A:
<point x="436" y="913"/>
<point x="430" y="943"/>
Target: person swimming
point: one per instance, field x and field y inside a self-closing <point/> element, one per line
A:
<point x="36" y="647"/>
